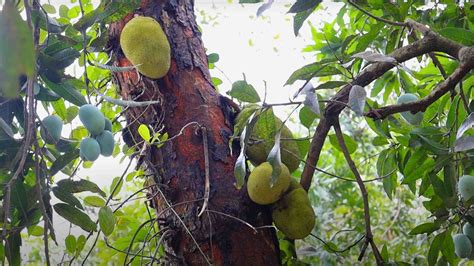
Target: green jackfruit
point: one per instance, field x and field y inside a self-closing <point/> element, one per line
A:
<point x="51" y="128"/>
<point x="146" y="46"/>
<point x="108" y="125"/>
<point x="462" y="245"/>
<point x="106" y="143"/>
<point x="468" y="230"/>
<point x="258" y="184"/>
<point x="466" y="187"/>
<point x="92" y="119"/>
<point x="293" y="214"/>
<point x="413" y="119"/>
<point x="264" y="131"/>
<point x="89" y="149"/>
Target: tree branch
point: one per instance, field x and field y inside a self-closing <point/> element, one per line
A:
<point x="422" y="104"/>
<point x="363" y="190"/>
<point x="431" y="42"/>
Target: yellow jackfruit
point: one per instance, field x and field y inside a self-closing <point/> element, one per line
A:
<point x="145" y="44"/>
<point x="293" y="213"/>
<point x="258" y="184"/>
<point x="264" y="133"/>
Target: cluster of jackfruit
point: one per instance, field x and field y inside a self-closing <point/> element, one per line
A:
<point x="101" y="141"/>
<point x="146" y="46"/>
<point x="264" y="133"/>
<point x="292" y="212"/>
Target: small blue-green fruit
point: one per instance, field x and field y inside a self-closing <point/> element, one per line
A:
<point x="92" y="119"/>
<point x="413" y="119"/>
<point x="108" y="125"/>
<point x="468" y="230"/>
<point x="466" y="187"/>
<point x="51" y="128"/>
<point x="106" y="143"/>
<point x="90" y="149"/>
<point x="462" y="245"/>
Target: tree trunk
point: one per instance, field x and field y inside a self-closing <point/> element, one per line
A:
<point x="195" y="116"/>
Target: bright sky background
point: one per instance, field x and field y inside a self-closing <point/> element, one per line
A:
<point x="274" y="53"/>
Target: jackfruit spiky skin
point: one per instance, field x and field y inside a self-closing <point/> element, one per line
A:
<point x="462" y="245"/>
<point x="293" y="213"/>
<point x="264" y="130"/>
<point x="106" y="143"/>
<point x="89" y="149"/>
<point x="92" y="118"/>
<point x="51" y="128"/>
<point x="413" y="119"/>
<point x="145" y="44"/>
<point x="258" y="184"/>
<point x="466" y="187"/>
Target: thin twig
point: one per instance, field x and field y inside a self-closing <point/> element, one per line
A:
<point x="393" y="23"/>
<point x="363" y="190"/>
<point x="207" y="185"/>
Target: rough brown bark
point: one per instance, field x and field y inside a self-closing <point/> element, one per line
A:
<point x="178" y="168"/>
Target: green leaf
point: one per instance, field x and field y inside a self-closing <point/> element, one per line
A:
<point x="144" y="132"/>
<point x="435" y="248"/>
<point x="94" y="201"/>
<point x="426" y="228"/>
<point x="244" y="92"/>
<point x="212" y="58"/>
<point x="75" y="216"/>
<point x="35" y="230"/>
<point x="70" y="242"/>
<point x="16" y="50"/>
<point x="66" y="197"/>
<point x="116" y="186"/>
<point x="303" y="5"/>
<point x="299" y="19"/>
<point x="67" y="91"/>
<point x="307" y="116"/>
<point x="81" y="185"/>
<point x="318" y="69"/>
<point x="80" y="243"/>
<point x="63" y="160"/>
<point x="106" y="220"/>
<point x="350" y="143"/>
<point x="460" y="35"/>
<point x="330" y="85"/>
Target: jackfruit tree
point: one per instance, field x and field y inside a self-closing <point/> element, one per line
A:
<point x="368" y="157"/>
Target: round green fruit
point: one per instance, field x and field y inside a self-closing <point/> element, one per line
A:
<point x="146" y="46"/>
<point x="264" y="133"/>
<point x="106" y="143"/>
<point x="51" y="128"/>
<point x="258" y="184"/>
<point x="462" y="245"/>
<point x="413" y="119"/>
<point x="92" y="118"/>
<point x="466" y="187"/>
<point x="468" y="230"/>
<point x="89" y="150"/>
<point x="108" y="125"/>
<point x="294" y="215"/>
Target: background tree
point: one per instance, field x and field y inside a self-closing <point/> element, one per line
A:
<point x="181" y="132"/>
